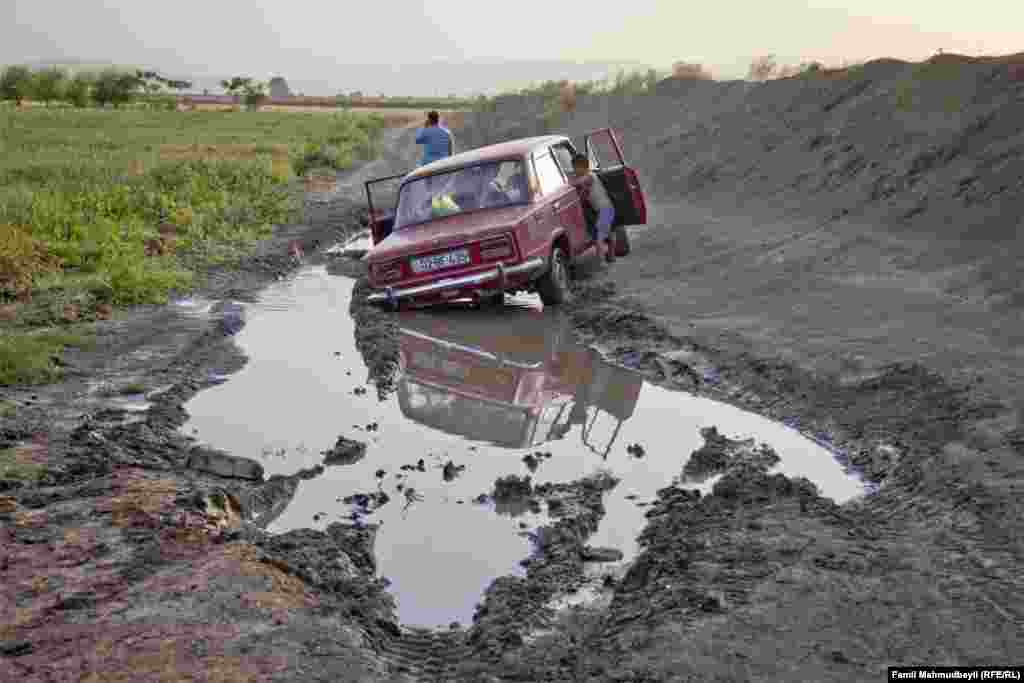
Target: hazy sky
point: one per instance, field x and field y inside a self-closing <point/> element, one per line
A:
<point x="307" y="39"/>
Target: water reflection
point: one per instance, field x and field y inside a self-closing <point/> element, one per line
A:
<point x="514" y="379"/>
<point x="482" y="394"/>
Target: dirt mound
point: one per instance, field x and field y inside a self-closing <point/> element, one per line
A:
<point x="932" y="151"/>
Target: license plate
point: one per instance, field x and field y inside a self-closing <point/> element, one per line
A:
<point x="426" y="264"/>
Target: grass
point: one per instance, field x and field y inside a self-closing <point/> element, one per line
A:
<point x="101" y="207"/>
<point x="11" y="467"/>
<point x="29" y="357"/>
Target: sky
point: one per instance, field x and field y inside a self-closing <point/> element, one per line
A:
<point x="320" y="42"/>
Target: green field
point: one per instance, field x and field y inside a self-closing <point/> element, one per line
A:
<point x="103" y="208"/>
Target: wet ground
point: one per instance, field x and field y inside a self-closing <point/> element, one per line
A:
<point x="481" y="394"/>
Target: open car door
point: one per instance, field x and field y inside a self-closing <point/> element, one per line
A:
<point x="622" y="183"/>
<point x="382" y="198"/>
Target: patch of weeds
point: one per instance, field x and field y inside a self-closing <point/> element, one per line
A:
<point x="12" y="468"/>
<point x="132" y="389"/>
<point x="33" y="357"/>
<point x="7" y="409"/>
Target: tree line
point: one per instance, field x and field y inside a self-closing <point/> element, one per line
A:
<point x="81" y="89"/>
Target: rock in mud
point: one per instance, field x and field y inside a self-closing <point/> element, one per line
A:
<point x="224" y="465"/>
<point x="592" y="554"/>
<point x="345" y="452"/>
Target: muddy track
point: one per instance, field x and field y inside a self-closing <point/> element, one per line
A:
<point x="135" y="555"/>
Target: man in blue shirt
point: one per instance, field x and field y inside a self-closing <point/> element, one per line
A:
<point x="436" y="140"/>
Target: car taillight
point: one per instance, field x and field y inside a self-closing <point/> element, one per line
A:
<point x="499" y="248"/>
<point x="385" y="272"/>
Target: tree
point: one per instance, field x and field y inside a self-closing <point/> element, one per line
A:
<point x="236" y="85"/>
<point x="116" y="87"/>
<point x="15" y="83"/>
<point x="48" y="84"/>
<point x="762" y="68"/>
<point x="79" y="89"/>
<point x="254" y="94"/>
<point x="279" y="87"/>
<point x="690" y="70"/>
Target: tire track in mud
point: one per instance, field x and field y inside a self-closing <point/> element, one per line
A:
<point x="428" y="655"/>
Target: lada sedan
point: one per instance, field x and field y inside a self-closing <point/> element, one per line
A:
<point x="502" y="218"/>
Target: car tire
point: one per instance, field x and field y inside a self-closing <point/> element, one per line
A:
<point x="622" y="246"/>
<point x="553" y="285"/>
<point x="492" y="300"/>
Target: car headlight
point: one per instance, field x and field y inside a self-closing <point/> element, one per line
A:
<point x="385" y="272"/>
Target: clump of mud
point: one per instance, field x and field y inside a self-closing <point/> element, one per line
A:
<point x="515" y="606"/>
<point x="345" y="452"/>
<point x="376" y="335"/>
<point x="720" y="452"/>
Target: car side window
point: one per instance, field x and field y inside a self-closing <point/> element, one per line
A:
<point x="548" y="173"/>
<point x="564" y="156"/>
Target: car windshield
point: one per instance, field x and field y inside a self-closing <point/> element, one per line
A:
<point x="483" y="186"/>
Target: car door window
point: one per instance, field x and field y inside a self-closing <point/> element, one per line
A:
<point x="602" y="150"/>
<point x="548" y="173"/>
<point x="564" y="157"/>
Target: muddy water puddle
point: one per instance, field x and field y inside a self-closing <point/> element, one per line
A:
<point x="481" y="394"/>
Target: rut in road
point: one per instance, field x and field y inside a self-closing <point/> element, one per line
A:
<point x="427" y="655"/>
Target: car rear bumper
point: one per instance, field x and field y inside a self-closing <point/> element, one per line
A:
<point x="394" y="294"/>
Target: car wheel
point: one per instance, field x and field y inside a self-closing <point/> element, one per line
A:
<point x="622" y="246"/>
<point x="492" y="300"/>
<point x="553" y="285"/>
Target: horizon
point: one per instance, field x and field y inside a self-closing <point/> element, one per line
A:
<point x="310" y="44"/>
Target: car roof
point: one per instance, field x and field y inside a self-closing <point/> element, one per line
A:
<point x="503" y="150"/>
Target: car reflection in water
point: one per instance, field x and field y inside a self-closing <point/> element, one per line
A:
<point x="513" y="377"/>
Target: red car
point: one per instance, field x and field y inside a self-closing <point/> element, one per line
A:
<point x="497" y="219"/>
<point x="465" y="375"/>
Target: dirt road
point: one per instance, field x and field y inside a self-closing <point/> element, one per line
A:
<point x="136" y="555"/>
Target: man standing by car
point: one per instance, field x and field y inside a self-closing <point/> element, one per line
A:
<point x="437" y="140"/>
<point x="596" y="200"/>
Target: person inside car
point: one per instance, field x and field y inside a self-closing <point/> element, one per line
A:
<point x="437" y="140"/>
<point x="595" y="198"/>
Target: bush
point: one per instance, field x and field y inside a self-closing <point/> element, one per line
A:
<point x="690" y="70"/>
<point x="116" y="88"/>
<point x="29" y="358"/>
<point x="79" y="90"/>
<point x="349" y="137"/>
<point x="49" y="85"/>
<point x="16" y="84"/>
<point x="22" y="259"/>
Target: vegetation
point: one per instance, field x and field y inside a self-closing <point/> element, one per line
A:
<point x="13" y="467"/>
<point x="253" y="92"/>
<point x="30" y="357"/>
<point x="346" y="138"/>
<point x="561" y="96"/>
<point x="101" y="208"/>
<point x="357" y="99"/>
<point x="114" y="87"/>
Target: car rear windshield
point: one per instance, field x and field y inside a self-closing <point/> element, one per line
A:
<point x="483" y="186"/>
